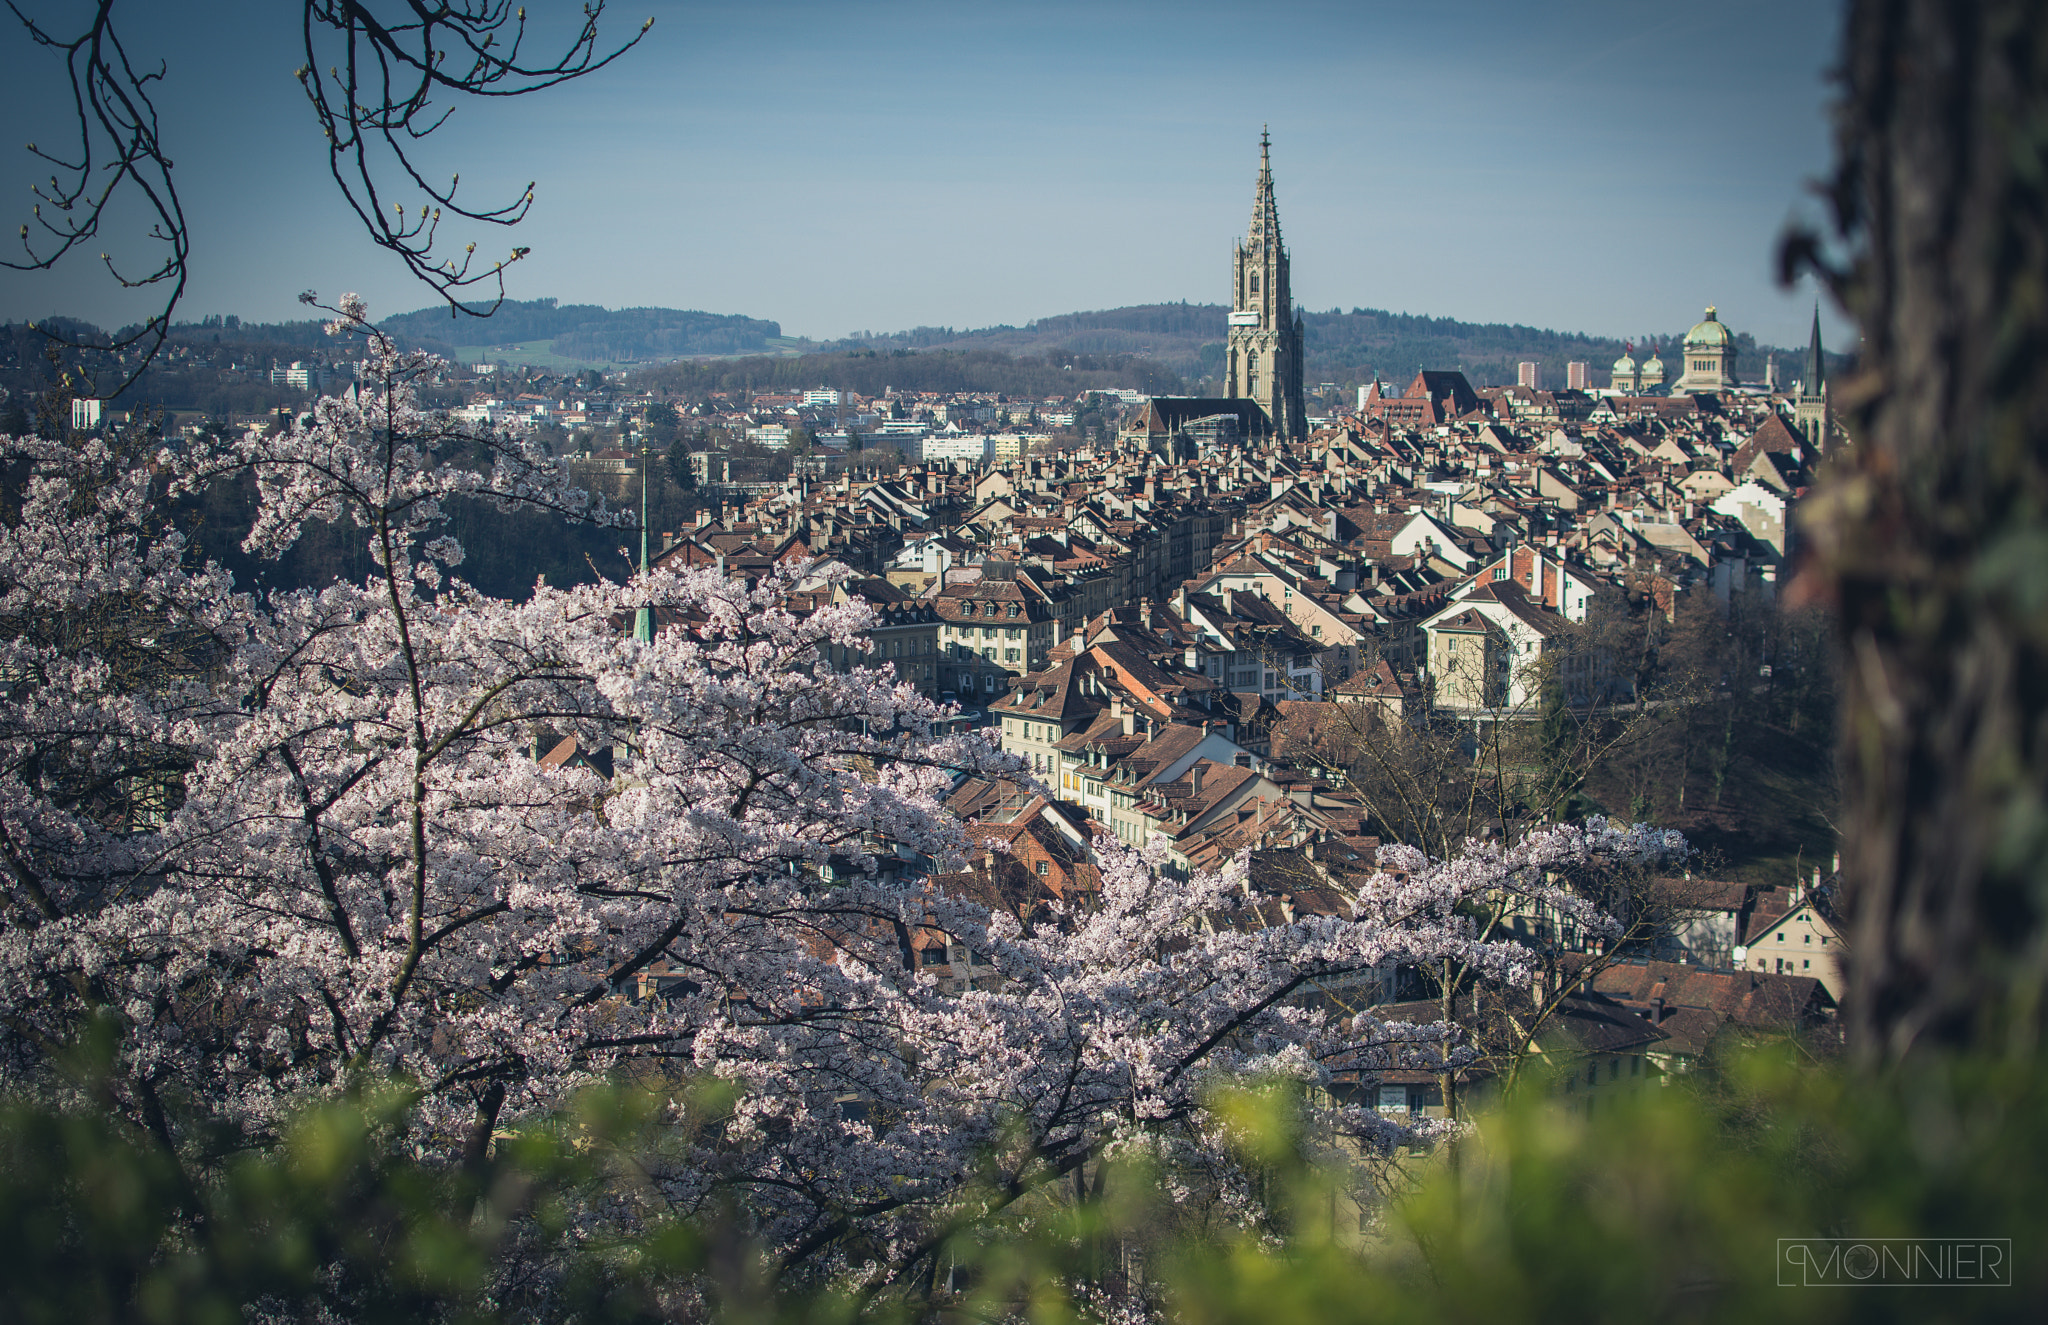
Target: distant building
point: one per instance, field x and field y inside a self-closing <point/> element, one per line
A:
<point x="1183" y="427"/>
<point x="301" y="375"/>
<point x="1578" y="377"/>
<point x="970" y="446"/>
<point x="1652" y="378"/>
<point x="1709" y="358"/>
<point x="85" y="414"/>
<point x="1264" y="357"/>
<point x="1628" y="377"/>
<point x="1529" y="374"/>
<point x="1434" y="398"/>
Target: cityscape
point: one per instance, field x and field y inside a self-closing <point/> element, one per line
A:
<point x="1207" y="810"/>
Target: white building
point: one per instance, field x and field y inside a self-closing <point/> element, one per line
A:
<point x="971" y="446"/>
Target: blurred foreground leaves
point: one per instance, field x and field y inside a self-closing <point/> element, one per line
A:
<point x="1668" y="1205"/>
<point x="1665" y="1205"/>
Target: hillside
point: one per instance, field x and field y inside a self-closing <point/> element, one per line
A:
<point x="1347" y="349"/>
<point x="871" y="373"/>
<point x="1152" y="347"/>
<point x="529" y="330"/>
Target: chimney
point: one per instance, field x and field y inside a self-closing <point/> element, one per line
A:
<point x="1195" y="776"/>
<point x="1656" y="1012"/>
<point x="703" y="516"/>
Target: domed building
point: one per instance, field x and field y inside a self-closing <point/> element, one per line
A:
<point x="1653" y="374"/>
<point x="1709" y="358"/>
<point x="1627" y="382"/>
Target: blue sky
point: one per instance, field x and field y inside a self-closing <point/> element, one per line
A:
<point x="1578" y="164"/>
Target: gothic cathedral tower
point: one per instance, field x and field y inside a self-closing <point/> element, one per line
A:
<point x="1265" y="332"/>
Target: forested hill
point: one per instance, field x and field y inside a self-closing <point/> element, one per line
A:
<point x="1345" y="348"/>
<point x="591" y="333"/>
<point x="1154" y="347"/>
<point x="871" y="372"/>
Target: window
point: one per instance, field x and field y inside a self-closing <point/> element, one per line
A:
<point x="1500" y="572"/>
<point x="1009" y="655"/>
<point x="1592" y="1074"/>
<point x="1316" y="632"/>
<point x="1044" y="869"/>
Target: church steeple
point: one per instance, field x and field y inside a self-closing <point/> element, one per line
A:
<point x="1810" y="413"/>
<point x="1264" y="362"/>
<point x="1814" y="380"/>
<point x="1265" y="215"/>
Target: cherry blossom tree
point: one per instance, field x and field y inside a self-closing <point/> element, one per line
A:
<point x="350" y="867"/>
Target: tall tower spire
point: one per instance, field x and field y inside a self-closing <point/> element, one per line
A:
<point x="1816" y="374"/>
<point x="1264" y="357"/>
<point x="1265" y="216"/>
<point x="1810" y="412"/>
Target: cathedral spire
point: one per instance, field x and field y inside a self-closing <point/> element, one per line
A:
<point x="1816" y="369"/>
<point x="1810" y="413"/>
<point x="1265" y="215"/>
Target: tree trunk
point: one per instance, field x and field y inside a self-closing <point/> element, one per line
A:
<point x="1932" y="531"/>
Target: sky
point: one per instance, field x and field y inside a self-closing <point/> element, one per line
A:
<point x="1582" y="165"/>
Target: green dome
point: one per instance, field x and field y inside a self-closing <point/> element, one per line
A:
<point x="1625" y="366"/>
<point x="1709" y="334"/>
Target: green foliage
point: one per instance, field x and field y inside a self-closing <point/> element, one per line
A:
<point x="1668" y="1204"/>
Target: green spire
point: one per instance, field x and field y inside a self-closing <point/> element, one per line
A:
<point x="1810" y="384"/>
